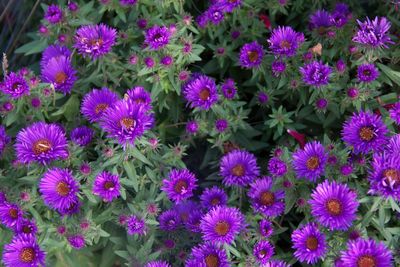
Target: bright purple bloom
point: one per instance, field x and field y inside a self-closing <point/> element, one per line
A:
<point x="158" y="264"/>
<point x="95" y="41"/>
<point x="221" y="125"/>
<point x="321" y="103"/>
<point x="209" y="254"/>
<point x="201" y="92"/>
<point x="265" y="200"/>
<point x="10" y="214"/>
<point x="340" y="66"/>
<point x="395" y="113"/>
<point x="4" y="140"/>
<point x="284" y="41"/>
<point x="192" y="127"/>
<point x="59" y="71"/>
<point x="185" y="208"/>
<point x="212" y="197"/>
<point x="278" y="67"/>
<point x="23" y="251"/>
<point x="25" y="227"/>
<point x="149" y="61"/>
<point x="59" y="190"/>
<point x="72" y="6"/>
<point x="157" y="37"/>
<point x="276" y="263"/>
<point x="107" y="186"/>
<point x="367" y="73"/>
<point x="15" y="86"/>
<point x="251" y="55"/>
<point x="215" y="14"/>
<point x="334" y="205"/>
<point x="228" y="89"/>
<point x="193" y="221"/>
<point x="96" y="102"/>
<point x="277" y="167"/>
<point x="346" y="169"/>
<point x="53" y="14"/>
<point x="373" y="34"/>
<point x="135" y="225"/>
<point x="41" y="142"/>
<point x="239" y="168"/>
<point x="127" y="2"/>
<point x="139" y="96"/>
<point x="179" y="185"/>
<point x="169" y="220"/>
<point x="367" y="253"/>
<point x="54" y="51"/>
<point x="364" y="132"/>
<point x="265" y="228"/>
<point x="320" y="20"/>
<point x="309" y="243"/>
<point x="352" y="92"/>
<point x="309" y="162"/>
<point x="263" y="251"/>
<point x="228" y="5"/>
<point x="316" y="73"/>
<point x="222" y="224"/>
<point x="76" y="241"/>
<point x="340" y="15"/>
<point x="82" y="135"/>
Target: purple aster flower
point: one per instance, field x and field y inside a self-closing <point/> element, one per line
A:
<point x="53" y="14"/>
<point x="384" y="176"/>
<point x="166" y="60"/>
<point x="107" y="186"/>
<point x="135" y="225"/>
<point x="309" y="162"/>
<point x="15" y="86"/>
<point x="126" y="121"/>
<point x="221" y="125"/>
<point x="263" y="251"/>
<point x="72" y="6"/>
<point x="10" y="214"/>
<point x="23" y="251"/>
<point x="239" y="168"/>
<point x="309" y="243"/>
<point x="340" y="66"/>
<point x="3" y="198"/>
<point x="264" y="200"/>
<point x="59" y="72"/>
<point x="36" y="102"/>
<point x="352" y="92"/>
<point x="251" y="55"/>
<point x="284" y="41"/>
<point x="367" y="253"/>
<point x="4" y="140"/>
<point x="139" y="96"/>
<point x="222" y="224"/>
<point x="367" y="73"/>
<point x="141" y="23"/>
<point x="215" y="14"/>
<point x="212" y="197"/>
<point x="321" y="103"/>
<point x="334" y="205"/>
<point x="82" y="135"/>
<point x="265" y="228"/>
<point x="340" y="15"/>
<point x="193" y="221"/>
<point x="202" y="20"/>
<point x="59" y="189"/>
<point x="41" y="142"/>
<point x="54" y="51"/>
<point x="158" y="264"/>
<point x="185" y="208"/>
<point x="157" y="37"/>
<point x="263" y="97"/>
<point x="76" y="241"/>
<point x="169" y="220"/>
<point x="192" y="127"/>
<point x="346" y="169"/>
<point x="373" y="34"/>
<point x="316" y="73"/>
<point x="364" y="132"/>
<point x="394" y="144"/>
<point x="394" y="113"/>
<point x="278" y="67"/>
<point x="201" y="92"/>
<point x="127" y="2"/>
<point x="228" y="89"/>
<point x="179" y="185"/>
<point x="276" y="263"/>
<point x="277" y="167"/>
<point x="95" y="41"/>
<point x="25" y="227"/>
<point x="228" y="5"/>
<point x="320" y="20"/>
<point x="209" y="254"/>
<point x="149" y="62"/>
<point x="96" y="102"/>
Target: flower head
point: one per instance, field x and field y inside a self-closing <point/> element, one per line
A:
<point x="135" y="225"/>
<point x="192" y="127"/>
<point x="107" y="186"/>
<point x="251" y="55"/>
<point x="265" y="228"/>
<point x="59" y="71"/>
<point x="157" y="264"/>
<point x="367" y="73"/>
<point x="209" y="254"/>
<point x="54" y="51"/>
<point x="310" y="161"/>
<point x="10" y="214"/>
<point x="320" y="20"/>
<point x="277" y="167"/>
<point x="23" y="251"/>
<point x="228" y="89"/>
<point x="373" y="34"/>
<point x="179" y="185"/>
<point x="263" y="251"/>
<point x="139" y="96"/>
<point x="221" y="125"/>
<point x="82" y="135"/>
<point x="169" y="220"/>
<point x="96" y="102"/>
<point x="15" y="86"/>
<point x="239" y="168"/>
<point x="76" y="241"/>
<point x="285" y="41"/>
<point x="53" y="14"/>
<point x="25" y="227"/>
<point x="212" y="197"/>
<point x="157" y="37"/>
<point x="128" y="2"/>
<point x="394" y="113"/>
<point x="276" y="263"/>
<point x="4" y="140"/>
<point x="201" y="92"/>
<point x="316" y="73"/>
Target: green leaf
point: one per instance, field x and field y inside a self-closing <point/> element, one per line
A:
<point x="33" y="47"/>
<point x="392" y="74"/>
<point x="130" y="171"/>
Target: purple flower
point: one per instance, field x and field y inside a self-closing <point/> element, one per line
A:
<point x="185" y="208"/>
<point x="212" y="197"/>
<point x="36" y="102"/>
<point x="222" y="224"/>
<point x="15" y="86"/>
<point x="276" y="263"/>
<point x="265" y="228"/>
<point x="340" y="15"/>
<point x="166" y="60"/>
<point x="149" y="62"/>
<point x="193" y="221"/>
<point x="192" y="127"/>
<point x="209" y="254"/>
<point x="59" y="190"/>
<point x="364" y="132"/>
<point x="139" y="96"/>
<point x="264" y="200"/>
<point x="228" y="5"/>
<point x="394" y="113"/>
<point x="310" y="161"/>
<point x="262" y="97"/>
<point x="42" y="143"/>
<point x="352" y="92"/>
<point x="228" y="89"/>
<point x="58" y="71"/>
<point x="4" y="140"/>
<point x="277" y="167"/>
<point x="23" y="251"/>
<point x="157" y="37"/>
<point x="278" y="67"/>
<point x="95" y="41"/>
<point x="169" y="220"/>
<point x="3" y="198"/>
<point x="54" y="51"/>
<point x="96" y="102"/>
<point x="263" y="251"/>
<point x="141" y="23"/>
<point x="367" y="73"/>
<point x="201" y="92"/>
<point x="72" y="6"/>
<point x="179" y="185"/>
<point x="126" y="121"/>
<point x="76" y="241"/>
<point x="239" y="168"/>
<point x="53" y="14"/>
<point x="135" y="225"/>
<point x="215" y="14"/>
<point x="334" y="205"/>
<point x="107" y="186"/>
<point x="157" y="264"/>
<point x="127" y="2"/>
<point x="284" y="41"/>
<point x="321" y="103"/>
<point x="316" y="73"/>
<point x="221" y="125"/>
<point x="346" y="169"/>
<point x="26" y="228"/>
<point x="10" y="214"/>
<point x="309" y="243"/>
<point x="373" y="34"/>
<point x="340" y="66"/>
<point x="320" y="20"/>
<point x="82" y="135"/>
<point x="251" y="55"/>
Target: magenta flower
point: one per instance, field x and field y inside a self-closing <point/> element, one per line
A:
<point x="107" y="186"/>
<point x="179" y="185"/>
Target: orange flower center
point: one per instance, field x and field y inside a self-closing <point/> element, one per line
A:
<point x="285" y="44"/>
<point x="41" y="146"/>
<point x="222" y="228"/>
<point x="100" y="108"/>
<point x="334" y="207"/>
<point x="204" y="94"/>
<point x="392" y="175"/>
<point x="60" y="77"/>
<point x="27" y="255"/>
<point x="238" y="170"/>
<point x="366" y="133"/>
<point x="128" y="123"/>
<point x="108" y="185"/>
<point x="212" y="260"/>
<point x="366" y="261"/>
<point x="180" y="186"/>
<point x="62" y="189"/>
<point x="215" y="201"/>
<point x="312" y="163"/>
<point x="26" y="229"/>
<point x="312" y="243"/>
<point x="252" y="55"/>
<point x="13" y="213"/>
<point x="96" y="42"/>
<point x="267" y="198"/>
<point x="16" y="85"/>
